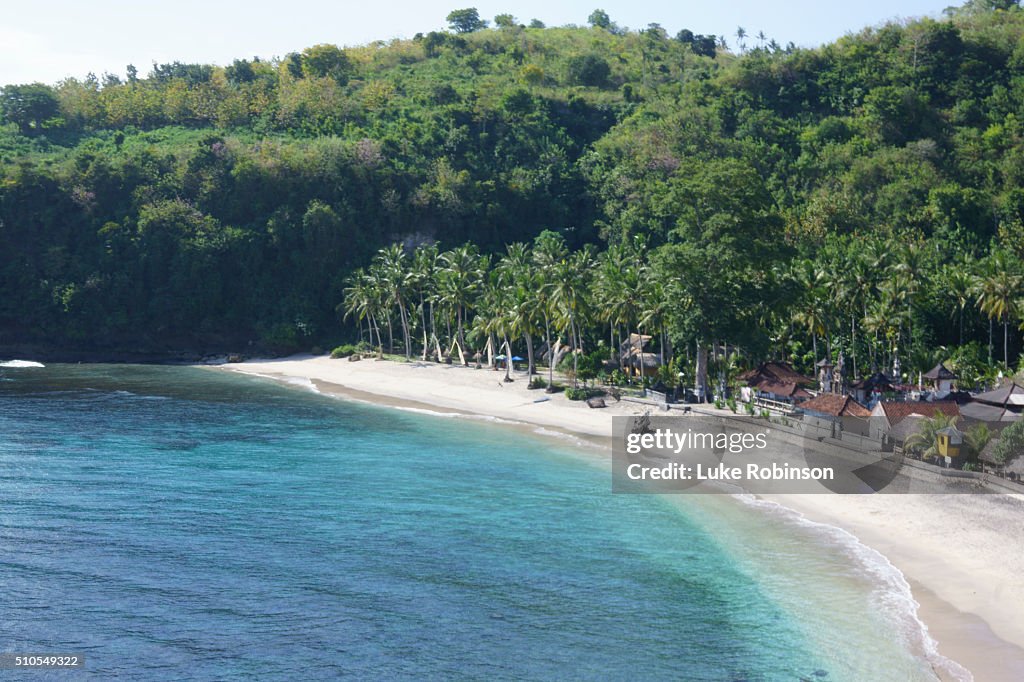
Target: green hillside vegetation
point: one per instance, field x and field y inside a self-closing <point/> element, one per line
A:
<point x="866" y="196"/>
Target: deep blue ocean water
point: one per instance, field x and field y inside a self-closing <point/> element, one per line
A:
<point x="182" y="523"/>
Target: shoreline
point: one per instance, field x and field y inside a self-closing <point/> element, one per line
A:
<point x="961" y="554"/>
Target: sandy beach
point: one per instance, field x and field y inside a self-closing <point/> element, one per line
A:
<point x="963" y="555"/>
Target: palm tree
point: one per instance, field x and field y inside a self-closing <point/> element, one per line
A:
<point x="491" y="318"/>
<point x="364" y="297"/>
<point x="999" y="292"/>
<point x="423" y="281"/>
<point x="355" y="302"/>
<point x="854" y="286"/>
<point x="810" y="311"/>
<point x="654" y="311"/>
<point x="569" y="295"/>
<point x="924" y="442"/>
<point x="618" y="284"/>
<point x="392" y="269"/>
<point x="886" y="316"/>
<point x="960" y="287"/>
<point x="462" y="271"/>
<point x="548" y="251"/>
<point x="976" y="438"/>
<point x="911" y="266"/>
<point x="516" y="276"/>
<point x="741" y="33"/>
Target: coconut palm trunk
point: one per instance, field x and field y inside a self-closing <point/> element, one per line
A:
<point x="1006" y="341"/>
<point x="508" y="359"/>
<point x="701" y="373"/>
<point x="551" y="353"/>
<point x="530" y="369"/>
<point x="406" y="338"/>
<point x="423" y="321"/>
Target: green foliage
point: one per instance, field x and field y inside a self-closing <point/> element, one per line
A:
<point x="863" y="196"/>
<point x="1010" y="444"/>
<point x="344" y="350"/>
<point x="326" y="61"/>
<point x="589" y="69"/>
<point x="599" y="19"/>
<point x="465" y="20"/>
<point x="30" y="107"/>
<point x="505" y="21"/>
<point x="924" y="442"/>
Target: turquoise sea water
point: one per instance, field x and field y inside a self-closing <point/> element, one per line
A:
<point x="181" y="523"/>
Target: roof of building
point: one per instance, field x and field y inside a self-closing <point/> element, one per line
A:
<point x="1008" y="395"/>
<point x="634" y="344"/>
<point x="779" y="372"/>
<point x="647" y="360"/>
<point x="939" y="372"/>
<point x="956" y="436"/>
<point x="984" y="412"/>
<point x="896" y="412"/>
<point x="835" y="406"/>
<point x="783" y="389"/>
<point x="987" y="453"/>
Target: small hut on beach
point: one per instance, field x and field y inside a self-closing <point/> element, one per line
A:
<point x="637" y="358"/>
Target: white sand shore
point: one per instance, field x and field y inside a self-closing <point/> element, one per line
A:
<point x="962" y="554"/>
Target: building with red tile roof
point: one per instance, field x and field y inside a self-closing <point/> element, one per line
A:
<point x="832" y="405"/>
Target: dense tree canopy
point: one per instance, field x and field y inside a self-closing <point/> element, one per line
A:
<point x="864" y="196"/>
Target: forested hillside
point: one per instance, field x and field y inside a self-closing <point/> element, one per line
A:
<point x="870" y="191"/>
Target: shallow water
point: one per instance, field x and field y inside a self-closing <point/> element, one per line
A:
<point x="180" y="523"/>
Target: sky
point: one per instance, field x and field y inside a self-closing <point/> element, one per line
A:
<point x="49" y="41"/>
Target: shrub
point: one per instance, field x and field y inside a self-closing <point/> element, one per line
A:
<point x="749" y="407"/>
<point x="576" y="393"/>
<point x="344" y="351"/>
<point x="718" y="403"/>
<point x="590" y="70"/>
<point x="731" y="402"/>
<point x="538" y="382"/>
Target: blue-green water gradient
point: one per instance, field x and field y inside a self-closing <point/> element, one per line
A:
<point x="181" y="523"/>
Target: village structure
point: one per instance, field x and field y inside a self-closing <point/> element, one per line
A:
<point x="879" y="408"/>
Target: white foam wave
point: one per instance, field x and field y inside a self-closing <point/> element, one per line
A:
<point x="302" y="382"/>
<point x="550" y="433"/>
<point x="21" y="363"/>
<point x="893" y="591"/>
<point x="457" y="415"/>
